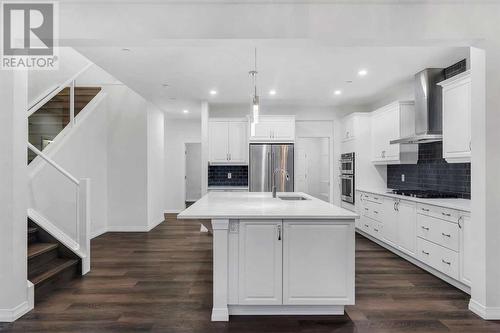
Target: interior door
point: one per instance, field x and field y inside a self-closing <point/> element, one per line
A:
<point x="260" y="262"/>
<point x="193" y="171"/>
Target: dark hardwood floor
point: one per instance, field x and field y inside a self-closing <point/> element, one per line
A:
<point x="162" y="282"/>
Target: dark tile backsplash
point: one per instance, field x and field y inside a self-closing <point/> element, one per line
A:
<point x="431" y="172"/>
<point x="217" y="175"/>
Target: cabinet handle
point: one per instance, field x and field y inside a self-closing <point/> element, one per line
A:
<point x="366" y="225"/>
<point x="395" y="205"/>
<point x="425" y="228"/>
<point x="446" y="262"/>
<point x="445" y="235"/>
<point x="425" y="209"/>
<point x="279" y="232"/>
<point x="446" y="214"/>
<point x="426" y="253"/>
<point x="230" y="156"/>
<point x="366" y="208"/>
<point x="376" y="230"/>
<point x="375" y="212"/>
<point x="460" y="219"/>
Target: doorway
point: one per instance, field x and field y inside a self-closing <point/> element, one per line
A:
<point x="192" y="172"/>
<point x="313" y="167"/>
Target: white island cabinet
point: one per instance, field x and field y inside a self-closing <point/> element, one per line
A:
<point x="278" y="257"/>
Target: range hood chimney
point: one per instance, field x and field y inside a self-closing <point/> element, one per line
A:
<point x="428" y="108"/>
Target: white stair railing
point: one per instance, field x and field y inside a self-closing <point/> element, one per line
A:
<point x="82" y="210"/>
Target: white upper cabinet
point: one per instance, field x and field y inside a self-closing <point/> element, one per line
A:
<point x="228" y="141"/>
<point x="273" y="129"/>
<point x="392" y="122"/>
<point x="457" y="118"/>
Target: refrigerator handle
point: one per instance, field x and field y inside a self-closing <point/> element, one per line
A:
<point x="269" y="166"/>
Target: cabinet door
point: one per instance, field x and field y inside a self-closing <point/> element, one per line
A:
<point x="218" y="143"/>
<point x="392" y="124"/>
<point x="466" y="252"/>
<point x="237" y="142"/>
<point x="260" y="262"/>
<point x="456" y="120"/>
<point x="262" y="131"/>
<point x="407" y="222"/>
<point x="390" y="220"/>
<point x="377" y="137"/>
<point x="318" y="262"/>
<point x="283" y="131"/>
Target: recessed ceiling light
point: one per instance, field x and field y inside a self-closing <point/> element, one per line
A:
<point x="362" y="72"/>
<point x="337" y="92"/>
<point x="213" y="92"/>
<point x="185" y="111"/>
<point x="272" y="92"/>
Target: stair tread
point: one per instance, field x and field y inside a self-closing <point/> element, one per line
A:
<point x="51" y="269"/>
<point x="37" y="249"/>
<point x="32" y="230"/>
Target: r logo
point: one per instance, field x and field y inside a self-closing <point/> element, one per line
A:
<point x="28" y="29"/>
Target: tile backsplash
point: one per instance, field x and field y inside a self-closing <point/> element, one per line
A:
<point x="431" y="172"/>
<point x="217" y="175"/>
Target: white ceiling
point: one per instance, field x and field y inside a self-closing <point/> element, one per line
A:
<point x="301" y="73"/>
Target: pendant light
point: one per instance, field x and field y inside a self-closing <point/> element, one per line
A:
<point x="255" y="99"/>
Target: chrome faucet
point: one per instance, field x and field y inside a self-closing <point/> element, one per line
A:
<point x="280" y="170"/>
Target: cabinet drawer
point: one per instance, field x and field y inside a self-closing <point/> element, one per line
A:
<point x="373" y="197"/>
<point x="373" y="210"/>
<point x="376" y="229"/>
<point x="366" y="226"/>
<point x="439" y="212"/>
<point x="438" y="231"/>
<point x="438" y="257"/>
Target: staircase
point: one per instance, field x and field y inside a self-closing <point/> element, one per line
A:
<point x="50" y="264"/>
<point x="55" y="115"/>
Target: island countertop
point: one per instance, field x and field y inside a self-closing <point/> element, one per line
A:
<point x="261" y="205"/>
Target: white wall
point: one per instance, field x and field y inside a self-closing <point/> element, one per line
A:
<point x="177" y="133"/>
<point x="14" y="294"/>
<point x="127" y="160"/>
<point x="83" y="153"/>
<point x="156" y="167"/>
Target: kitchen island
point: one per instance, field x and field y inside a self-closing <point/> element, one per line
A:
<point x="290" y="255"/>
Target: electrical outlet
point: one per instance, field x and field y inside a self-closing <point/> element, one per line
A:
<point x="403" y="177"/>
<point x="229" y="175"/>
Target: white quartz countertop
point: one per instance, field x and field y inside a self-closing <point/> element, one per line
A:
<point x="458" y="204"/>
<point x="261" y="205"/>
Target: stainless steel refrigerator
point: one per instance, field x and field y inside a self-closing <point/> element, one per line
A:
<point x="268" y="161"/>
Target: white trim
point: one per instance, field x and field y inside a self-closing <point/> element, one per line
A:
<point x="416" y="262"/>
<point x="487" y="313"/>
<point x="10" y="315"/>
<point x="98" y="232"/>
<point x="285" y="310"/>
<point x="221" y="314"/>
<point x="31" y="294"/>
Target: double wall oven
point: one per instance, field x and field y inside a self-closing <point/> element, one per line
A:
<point x="347" y="177"/>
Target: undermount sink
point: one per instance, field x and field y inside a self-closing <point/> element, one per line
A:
<point x="295" y="197"/>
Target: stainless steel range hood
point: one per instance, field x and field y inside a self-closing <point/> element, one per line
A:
<point x="428" y="108"/>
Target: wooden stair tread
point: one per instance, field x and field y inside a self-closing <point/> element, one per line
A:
<point x="51" y="269"/>
<point x="32" y="230"/>
<point x="37" y="249"/>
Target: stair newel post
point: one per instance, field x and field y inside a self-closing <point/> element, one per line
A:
<point x="83" y="222"/>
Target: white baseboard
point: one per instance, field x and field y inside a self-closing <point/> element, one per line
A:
<point x="10" y="315"/>
<point x="487" y="313"/>
<point x="98" y="232"/>
<point x="285" y="310"/>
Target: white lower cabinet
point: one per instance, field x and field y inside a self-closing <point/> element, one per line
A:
<point x="294" y="262"/>
<point x="436" y="236"/>
<point x="406" y="219"/>
<point x="260" y="260"/>
<point x="315" y="268"/>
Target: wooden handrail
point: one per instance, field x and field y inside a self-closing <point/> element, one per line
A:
<point x="54" y="164"/>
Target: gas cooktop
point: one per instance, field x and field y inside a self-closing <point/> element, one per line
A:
<point x="424" y="194"/>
